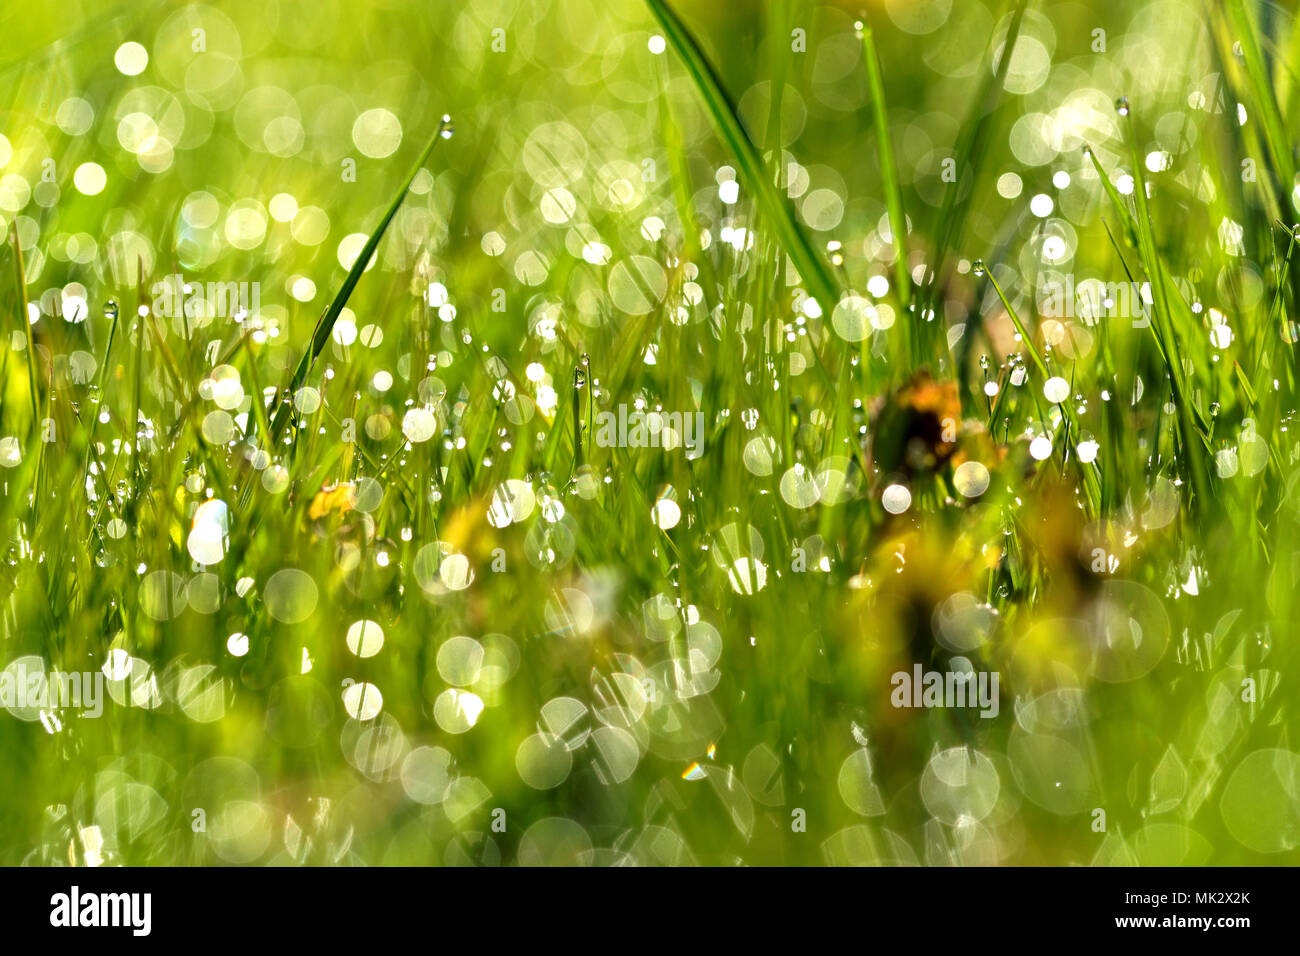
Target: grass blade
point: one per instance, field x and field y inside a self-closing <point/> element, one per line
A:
<point x="1264" y="100"/>
<point x="968" y="154"/>
<point x="1191" y="422"/>
<point x="888" y="168"/>
<point x="335" y="308"/>
<point x="20" y="278"/>
<point x="1089" y="473"/>
<point x="822" y="284"/>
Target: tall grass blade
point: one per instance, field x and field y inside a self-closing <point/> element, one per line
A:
<point x="822" y="284"/>
<point x="1192" y="427"/>
<point x="968" y="155"/>
<point x="1262" y="99"/>
<point x="20" y="280"/>
<point x="889" y="176"/>
<point x="326" y="324"/>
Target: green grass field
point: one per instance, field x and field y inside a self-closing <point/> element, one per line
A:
<point x="543" y="433"/>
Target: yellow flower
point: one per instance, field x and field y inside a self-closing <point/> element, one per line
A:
<point x="338" y="498"/>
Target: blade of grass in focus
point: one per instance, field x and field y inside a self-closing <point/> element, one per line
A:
<point x="1192" y="423"/>
<point x="1160" y="278"/>
<point x="335" y="308"/>
<point x="822" y="284"/>
<point x="1088" y="472"/>
<point x="968" y="155"/>
<point x="889" y="177"/>
<point x="1264" y="101"/>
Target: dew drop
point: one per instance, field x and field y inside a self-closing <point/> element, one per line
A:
<point x="896" y="499"/>
<point x="1056" y="390"/>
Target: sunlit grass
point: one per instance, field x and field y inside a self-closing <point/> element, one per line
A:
<point x="366" y="584"/>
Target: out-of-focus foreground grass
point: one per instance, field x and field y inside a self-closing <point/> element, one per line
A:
<point x="415" y="610"/>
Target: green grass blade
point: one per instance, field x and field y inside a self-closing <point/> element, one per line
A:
<point x="20" y="280"/>
<point x="822" y="284"/>
<point x="888" y="173"/>
<point x="1089" y="473"/>
<point x="1151" y="261"/>
<point x="1191" y="422"/>
<point x="1264" y="101"/>
<point x="968" y="154"/>
<point x="335" y="308"/>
